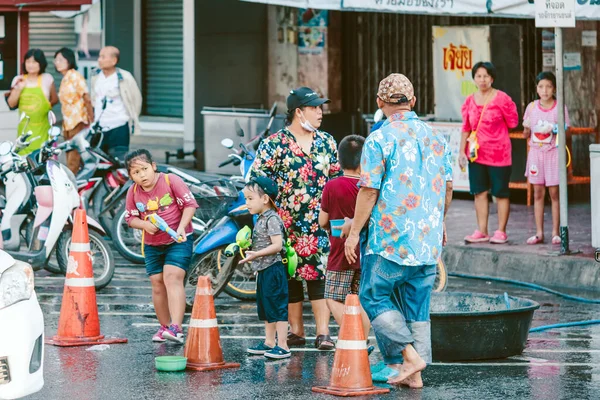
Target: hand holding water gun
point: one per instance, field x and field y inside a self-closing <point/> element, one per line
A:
<point x="162" y="225"/>
<point x="243" y="241"/>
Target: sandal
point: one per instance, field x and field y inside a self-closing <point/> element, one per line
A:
<point x="499" y="238"/>
<point x="556" y="239"/>
<point x="535" y="240"/>
<point x="324" y="342"/>
<point x="295" y="340"/>
<point x="477" y="237"/>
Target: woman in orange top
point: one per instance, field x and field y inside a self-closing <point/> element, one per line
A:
<point x="75" y="100"/>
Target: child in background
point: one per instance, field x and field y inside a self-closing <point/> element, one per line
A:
<point x="338" y="202"/>
<point x="271" y="280"/>
<point x="540" y="123"/>
<point x="166" y="260"/>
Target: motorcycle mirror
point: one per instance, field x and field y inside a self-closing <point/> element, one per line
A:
<point x="228" y="143"/>
<point x="238" y="129"/>
<point x="51" y="118"/>
<point x="54" y="132"/>
<point x="5" y="148"/>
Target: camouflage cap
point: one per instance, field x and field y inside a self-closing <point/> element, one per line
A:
<point x="394" y="87"/>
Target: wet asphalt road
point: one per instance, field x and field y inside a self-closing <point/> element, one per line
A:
<point x="557" y="364"/>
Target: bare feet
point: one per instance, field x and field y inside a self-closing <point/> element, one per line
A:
<point x="413" y="363"/>
<point x="414" y="381"/>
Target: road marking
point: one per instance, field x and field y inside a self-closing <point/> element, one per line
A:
<point x="150" y="314"/>
<point x="154" y="324"/>
<point x="114" y="287"/>
<point x="515" y="364"/>
<point x="58" y="295"/>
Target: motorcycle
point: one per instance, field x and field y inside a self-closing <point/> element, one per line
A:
<point x="55" y="204"/>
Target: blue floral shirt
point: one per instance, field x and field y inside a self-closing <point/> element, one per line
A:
<point x="409" y="163"/>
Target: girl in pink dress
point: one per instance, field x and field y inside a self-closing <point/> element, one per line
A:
<point x="540" y="123"/>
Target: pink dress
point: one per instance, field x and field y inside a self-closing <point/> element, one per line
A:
<point x="494" y="143"/>
<point x="542" y="159"/>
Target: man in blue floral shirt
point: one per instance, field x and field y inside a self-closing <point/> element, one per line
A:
<point x="404" y="196"/>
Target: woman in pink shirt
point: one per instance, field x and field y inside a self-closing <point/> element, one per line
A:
<point x="487" y="116"/>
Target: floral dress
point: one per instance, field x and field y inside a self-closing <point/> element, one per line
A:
<point x="301" y="178"/>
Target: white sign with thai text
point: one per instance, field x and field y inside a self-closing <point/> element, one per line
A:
<point x="420" y="6"/>
<point x="555" y="13"/>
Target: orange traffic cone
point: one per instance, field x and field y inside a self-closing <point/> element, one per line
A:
<point x="351" y="373"/>
<point x="203" y="345"/>
<point x="78" y="324"/>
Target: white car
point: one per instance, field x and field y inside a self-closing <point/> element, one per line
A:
<point x="21" y="331"/>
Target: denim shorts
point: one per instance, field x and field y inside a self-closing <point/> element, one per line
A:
<point x="176" y="254"/>
<point x="387" y="286"/>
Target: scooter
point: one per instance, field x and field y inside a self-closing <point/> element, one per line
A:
<point x="209" y="253"/>
<point x="18" y="201"/>
<point x="52" y="225"/>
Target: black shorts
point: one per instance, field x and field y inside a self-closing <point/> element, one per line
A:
<point x="316" y="290"/>
<point x="272" y="293"/>
<point x="484" y="177"/>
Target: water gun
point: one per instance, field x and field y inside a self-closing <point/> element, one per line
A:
<point x="162" y="225"/>
<point x="290" y="259"/>
<point x="243" y="241"/>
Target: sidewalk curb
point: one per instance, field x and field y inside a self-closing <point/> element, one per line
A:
<point x="554" y="271"/>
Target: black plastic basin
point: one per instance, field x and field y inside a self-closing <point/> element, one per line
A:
<point x="474" y="326"/>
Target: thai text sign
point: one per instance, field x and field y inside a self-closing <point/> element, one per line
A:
<point x="420" y="6"/>
<point x="455" y="51"/>
<point x="555" y="13"/>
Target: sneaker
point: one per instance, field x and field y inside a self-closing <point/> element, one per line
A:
<point x="158" y="336"/>
<point x="173" y="333"/>
<point x="277" y="353"/>
<point x="259" y="349"/>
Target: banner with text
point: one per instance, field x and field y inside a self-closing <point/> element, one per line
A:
<point x="319" y="4"/>
<point x="456" y="49"/>
<point x="437" y="7"/>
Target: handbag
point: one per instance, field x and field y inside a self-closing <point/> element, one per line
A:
<point x="473" y="144"/>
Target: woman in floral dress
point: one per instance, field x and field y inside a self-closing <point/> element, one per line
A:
<point x="301" y="159"/>
<point x="75" y="100"/>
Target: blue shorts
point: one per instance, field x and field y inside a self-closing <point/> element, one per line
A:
<point x="272" y="293"/>
<point x="177" y="254"/>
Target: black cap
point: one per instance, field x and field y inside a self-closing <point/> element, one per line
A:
<point x="267" y="185"/>
<point x="304" y="96"/>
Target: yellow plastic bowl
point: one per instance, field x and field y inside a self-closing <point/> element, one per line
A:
<point x="170" y="363"/>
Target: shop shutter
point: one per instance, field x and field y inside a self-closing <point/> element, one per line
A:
<point x="50" y="33"/>
<point x="163" y="58"/>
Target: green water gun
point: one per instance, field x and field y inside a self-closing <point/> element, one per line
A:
<point x="290" y="259"/>
<point x="243" y="241"/>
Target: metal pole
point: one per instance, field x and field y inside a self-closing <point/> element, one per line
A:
<point x="562" y="143"/>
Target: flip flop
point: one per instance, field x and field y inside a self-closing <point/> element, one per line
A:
<point x="377" y="367"/>
<point x="384" y="375"/>
<point x="324" y="342"/>
<point x="295" y="340"/>
<point x="536" y="240"/>
<point x="556" y="239"/>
